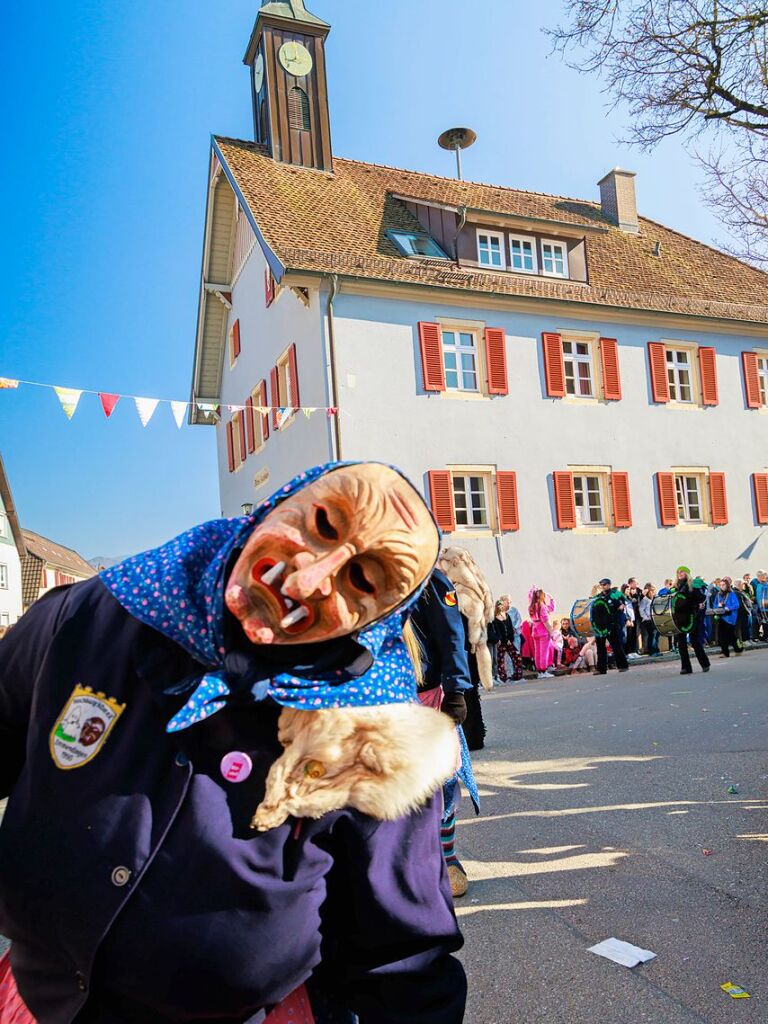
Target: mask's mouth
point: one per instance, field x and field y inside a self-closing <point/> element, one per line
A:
<point x="295" y="616"/>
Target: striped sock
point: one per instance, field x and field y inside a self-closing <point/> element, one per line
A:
<point x="448" y="839"/>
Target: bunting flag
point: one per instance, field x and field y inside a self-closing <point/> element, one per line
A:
<point x="69" y="398"/>
<point x="179" y="410"/>
<point x="307" y="410"/>
<point x="283" y="415"/>
<point x="331" y="411"/>
<point x="8" y="382"/>
<point x="108" y="402"/>
<point x="145" y="407"/>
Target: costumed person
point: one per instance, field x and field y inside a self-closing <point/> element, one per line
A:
<point x="689" y="601"/>
<point x="746" y="608"/>
<point x="476" y="606"/>
<point x="540" y="608"/>
<point x="726" y="607"/>
<point x="501" y="633"/>
<point x="437" y="644"/>
<point x="250" y="803"/>
<point x="607" y="614"/>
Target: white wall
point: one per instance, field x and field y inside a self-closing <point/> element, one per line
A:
<point x="265" y="333"/>
<point x="387" y="416"/>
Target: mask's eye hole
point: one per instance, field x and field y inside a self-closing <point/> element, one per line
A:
<point x="359" y="580"/>
<point x="323" y="524"/>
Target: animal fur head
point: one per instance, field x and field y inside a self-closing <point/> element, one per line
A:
<point x="475" y="604"/>
<point x="384" y="761"/>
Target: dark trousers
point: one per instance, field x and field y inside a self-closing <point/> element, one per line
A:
<point x="630" y="643"/>
<point x="681" y="642"/>
<point x="618" y="651"/>
<point x="650" y="637"/>
<point x="728" y="638"/>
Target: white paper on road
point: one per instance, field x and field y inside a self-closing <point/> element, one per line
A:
<point x="621" y="952"/>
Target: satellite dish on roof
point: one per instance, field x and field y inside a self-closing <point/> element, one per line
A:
<point x="457" y="139"/>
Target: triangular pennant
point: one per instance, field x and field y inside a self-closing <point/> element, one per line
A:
<point x="179" y="410"/>
<point x="145" y="407"/>
<point x="283" y="415"/>
<point x="8" y="382"/>
<point x="208" y="408"/>
<point x="331" y="410"/>
<point x="108" y="403"/>
<point x="69" y="397"/>
<point x="308" y="411"/>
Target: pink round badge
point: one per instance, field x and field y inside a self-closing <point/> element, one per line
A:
<point x="236" y="766"/>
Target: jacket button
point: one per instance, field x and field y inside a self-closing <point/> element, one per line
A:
<point x="82" y="984"/>
<point x="182" y="760"/>
<point x="121" y="875"/>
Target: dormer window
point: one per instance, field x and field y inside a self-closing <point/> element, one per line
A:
<point x="490" y="249"/>
<point x="522" y="254"/>
<point x="413" y="244"/>
<point x="554" y="258"/>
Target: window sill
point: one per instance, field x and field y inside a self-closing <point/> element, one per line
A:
<point x="687" y="406"/>
<point x="594" y="531"/>
<point x="476" y="531"/>
<point x="463" y="396"/>
<point x="693" y="527"/>
<point x="582" y="400"/>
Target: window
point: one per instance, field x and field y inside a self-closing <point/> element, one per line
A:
<point x="679" y="375"/>
<point x="298" y="110"/>
<point x="238" y="442"/>
<point x="554" y="259"/>
<point x="470" y="500"/>
<point x="234" y="342"/>
<point x="588" y="496"/>
<point x="3" y="577"/>
<point x="762" y="378"/>
<point x="577" y="361"/>
<point x="460" y="358"/>
<point x="490" y="249"/>
<point x="689" y="505"/>
<point x="412" y="244"/>
<point x="522" y="254"/>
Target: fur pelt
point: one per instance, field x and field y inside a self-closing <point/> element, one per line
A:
<point x="384" y="761"/>
<point x="475" y="604"/>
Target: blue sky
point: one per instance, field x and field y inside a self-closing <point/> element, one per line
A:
<point x="102" y="191"/>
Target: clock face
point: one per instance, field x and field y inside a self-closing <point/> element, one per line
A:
<point x="258" y="73"/>
<point x="295" y="58"/>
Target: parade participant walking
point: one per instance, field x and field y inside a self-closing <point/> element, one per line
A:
<point x="726" y="608"/>
<point x="689" y="599"/>
<point x="501" y="633"/>
<point x="252" y="664"/>
<point x="540" y="608"/>
<point x="608" y="624"/>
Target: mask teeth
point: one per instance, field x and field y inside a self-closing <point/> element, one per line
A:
<point x="293" y="617"/>
<point x="273" y="574"/>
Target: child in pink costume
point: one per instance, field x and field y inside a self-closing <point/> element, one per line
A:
<point x="540" y="608"/>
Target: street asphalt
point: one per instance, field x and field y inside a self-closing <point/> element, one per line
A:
<point x="600" y="796"/>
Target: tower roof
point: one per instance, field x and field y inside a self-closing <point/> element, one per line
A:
<point x="283" y="10"/>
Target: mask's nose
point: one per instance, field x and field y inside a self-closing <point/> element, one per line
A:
<point x="317" y="576"/>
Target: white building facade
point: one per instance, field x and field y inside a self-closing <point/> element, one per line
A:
<point x="11" y="552"/>
<point x="579" y="392"/>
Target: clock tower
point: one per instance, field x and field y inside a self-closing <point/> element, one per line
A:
<point x="286" y="55"/>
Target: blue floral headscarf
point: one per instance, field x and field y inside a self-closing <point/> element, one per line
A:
<point x="178" y="589"/>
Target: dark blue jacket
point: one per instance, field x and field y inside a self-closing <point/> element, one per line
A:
<point x="437" y="621"/>
<point x="132" y="886"/>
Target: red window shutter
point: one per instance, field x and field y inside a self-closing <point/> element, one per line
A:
<point x="269" y="287"/>
<point x="249" y="425"/>
<point x="274" y="395"/>
<point x="506" y="491"/>
<point x="718" y="499"/>
<point x="751" y="380"/>
<point x="554" y="369"/>
<point x="657" y="361"/>
<point x="708" y="371"/>
<point x="622" y="505"/>
<point x="665" y="484"/>
<point x="609" y="363"/>
<point x="760" y="485"/>
<point x="565" y="502"/>
<point x="235" y="339"/>
<point x="240" y="419"/>
<point x="496" y="360"/>
<point x="432" y="366"/>
<point x="293" y="379"/>
<point x="230" y="448"/>
<point x="441" y="499"/>
<point x="265" y="415"/>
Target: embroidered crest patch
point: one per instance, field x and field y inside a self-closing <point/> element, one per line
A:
<point x="82" y="727"/>
<point x="450" y="598"/>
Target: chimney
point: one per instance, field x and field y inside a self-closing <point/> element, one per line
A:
<point x="617" y="199"/>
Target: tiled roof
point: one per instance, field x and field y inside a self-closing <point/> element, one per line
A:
<point x="336" y="224"/>
<point x="57" y="556"/>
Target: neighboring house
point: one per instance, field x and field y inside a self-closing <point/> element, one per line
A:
<point x="12" y="550"/>
<point x="579" y="390"/>
<point x="47" y="564"/>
